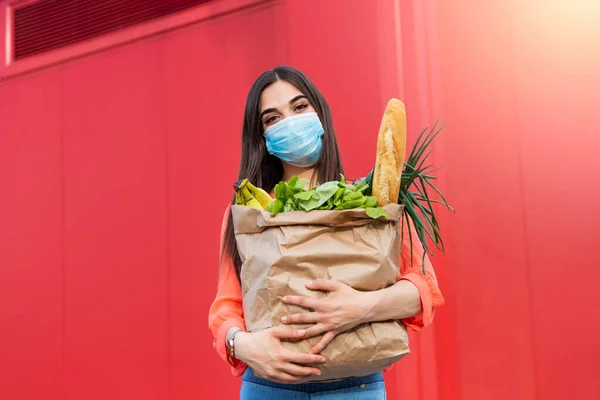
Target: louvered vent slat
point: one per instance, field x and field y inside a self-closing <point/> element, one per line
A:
<point x="51" y="24"/>
<point x="59" y="23"/>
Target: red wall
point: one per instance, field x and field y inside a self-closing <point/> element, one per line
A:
<point x="117" y="159"/>
<point x="518" y="85"/>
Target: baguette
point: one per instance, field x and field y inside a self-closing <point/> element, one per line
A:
<point x="391" y="148"/>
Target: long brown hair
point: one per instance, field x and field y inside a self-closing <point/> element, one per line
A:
<point x="266" y="170"/>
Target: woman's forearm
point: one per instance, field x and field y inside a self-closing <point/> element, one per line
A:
<point x="402" y="300"/>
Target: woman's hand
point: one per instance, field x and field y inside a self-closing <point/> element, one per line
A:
<point x="342" y="309"/>
<point x="263" y="352"/>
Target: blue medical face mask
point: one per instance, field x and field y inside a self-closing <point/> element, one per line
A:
<point x="297" y="140"/>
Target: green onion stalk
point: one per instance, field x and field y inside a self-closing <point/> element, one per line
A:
<point x="415" y="187"/>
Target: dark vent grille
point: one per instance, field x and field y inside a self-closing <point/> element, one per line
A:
<point x="51" y="24"/>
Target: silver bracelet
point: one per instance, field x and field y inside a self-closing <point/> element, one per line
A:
<point x="230" y="340"/>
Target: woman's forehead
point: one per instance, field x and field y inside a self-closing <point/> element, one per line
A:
<point x="278" y="95"/>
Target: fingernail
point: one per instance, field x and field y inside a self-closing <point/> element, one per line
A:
<point x="283" y="319"/>
<point x="301" y="332"/>
<point x="285" y="299"/>
<point x="319" y="373"/>
<point x="310" y="283"/>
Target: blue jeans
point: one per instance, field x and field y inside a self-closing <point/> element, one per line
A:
<point x="369" y="387"/>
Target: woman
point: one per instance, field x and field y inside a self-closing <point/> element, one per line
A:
<point x="288" y="131"/>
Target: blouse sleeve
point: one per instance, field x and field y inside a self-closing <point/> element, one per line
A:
<point x="226" y="310"/>
<point x="426" y="283"/>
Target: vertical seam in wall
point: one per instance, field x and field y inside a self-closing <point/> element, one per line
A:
<point x="433" y="77"/>
<point x="521" y="175"/>
<point x="63" y="233"/>
<point x="429" y="116"/>
<point x="279" y="7"/>
<point x="163" y="78"/>
<point x="427" y="65"/>
<point x="401" y="60"/>
<point x="399" y="49"/>
<point x="286" y="55"/>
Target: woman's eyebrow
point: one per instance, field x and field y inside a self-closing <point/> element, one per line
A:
<point x="268" y="110"/>
<point x="295" y="99"/>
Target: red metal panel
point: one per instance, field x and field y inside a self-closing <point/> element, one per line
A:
<point x="205" y="112"/>
<point x="31" y="288"/>
<point x="557" y="82"/>
<point x="194" y="119"/>
<point x="419" y="377"/>
<point x="117" y="270"/>
<point x="487" y="258"/>
<point x="518" y="98"/>
<point x="432" y="372"/>
<point x="342" y="58"/>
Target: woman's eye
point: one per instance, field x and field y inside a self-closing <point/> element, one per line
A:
<point x="270" y="120"/>
<point x="301" y="107"/>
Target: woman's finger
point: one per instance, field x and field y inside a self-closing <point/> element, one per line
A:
<point x="325" y="285"/>
<point x="284" y="332"/>
<point x="315" y="330"/>
<point x="303" y="301"/>
<point x="302" y="358"/>
<point x="303" y="318"/>
<point x="299" y="370"/>
<point x="325" y="340"/>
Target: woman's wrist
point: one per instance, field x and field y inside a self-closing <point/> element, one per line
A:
<point x="399" y="301"/>
<point x="231" y="341"/>
<point x="240" y="343"/>
<point x="372" y="301"/>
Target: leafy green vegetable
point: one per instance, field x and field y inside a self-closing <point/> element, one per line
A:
<point x="281" y="191"/>
<point x="326" y="191"/>
<point x="354" y="196"/>
<point x="337" y="198"/>
<point x="371" y="202"/>
<point x="305" y="196"/>
<point x="376" y="212"/>
<point x="292" y="182"/>
<point x="334" y="195"/>
<point x="301" y="184"/>
<point x="350" y="204"/>
<point x="289" y="206"/>
<point x="278" y="207"/>
<point x="362" y="186"/>
<point x="269" y="207"/>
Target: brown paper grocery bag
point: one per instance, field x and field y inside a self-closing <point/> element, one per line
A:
<point x="281" y="254"/>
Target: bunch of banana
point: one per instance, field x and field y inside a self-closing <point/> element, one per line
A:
<point x="246" y="194"/>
